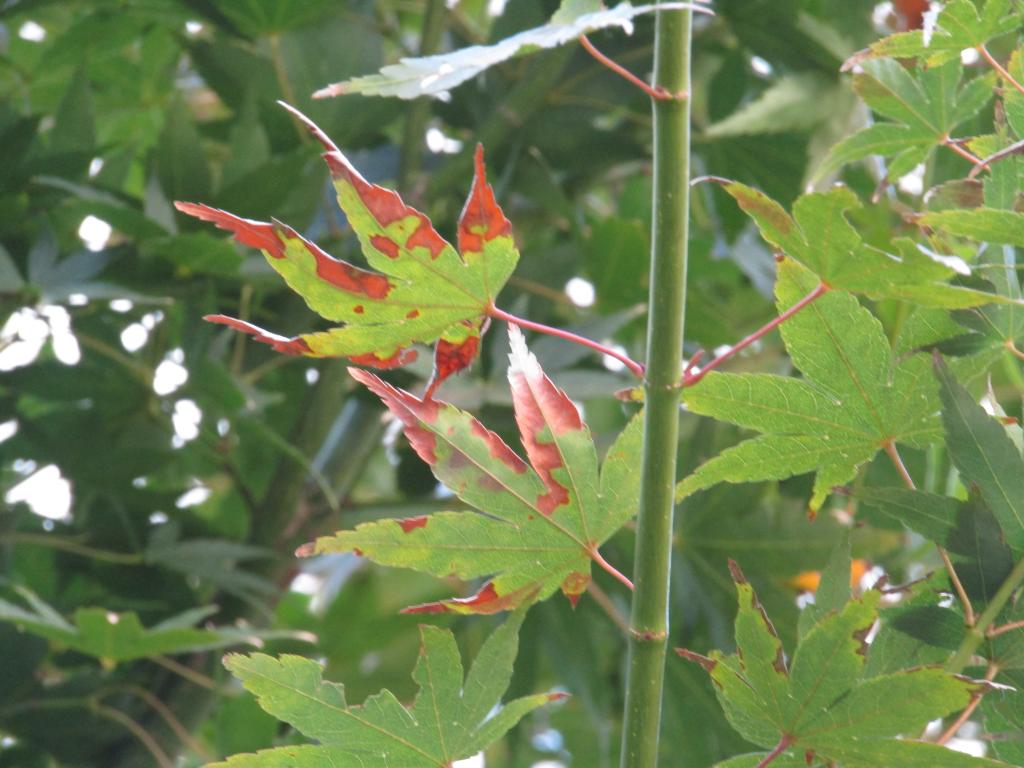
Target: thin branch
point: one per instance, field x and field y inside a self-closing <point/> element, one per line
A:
<point x="955" y="146"/>
<point x="658" y="92"/>
<point x="1000" y="68"/>
<point x="500" y="314"/>
<point x="1014" y="149"/>
<point x="72" y="547"/>
<point x="281" y="74"/>
<point x="691" y="378"/>
<point x="197" y="678"/>
<point x="605" y="603"/>
<point x="140" y="733"/>
<point x="958" y="587"/>
<point x="972" y="705"/>
<point x="1012" y="349"/>
<point x="996" y="631"/>
<point x="168" y="717"/>
<point x="976" y="635"/>
<point x="781" y="747"/>
<point x="605" y="565"/>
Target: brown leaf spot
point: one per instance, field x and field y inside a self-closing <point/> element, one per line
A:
<point x="498" y="448"/>
<point x="287" y="346"/>
<point x="737" y="574"/>
<point x="255" y="234"/>
<point x="357" y="551"/>
<point x="574" y="585"/>
<point x="371" y="360"/>
<point x="359" y="309"/>
<point x="757" y="204"/>
<point x="809" y="757"/>
<point x="558" y="696"/>
<point x="481" y="220"/>
<point x="450" y="358"/>
<point x="410" y="524"/>
<point x="385" y="245"/>
<point x="412" y="314"/>
<point x="306" y="550"/>
<point x="556" y="496"/>
<point x="344" y="275"/>
<point x="426" y="236"/>
<point x="860" y="636"/>
<point x="485" y="601"/>
<point x="708" y="663"/>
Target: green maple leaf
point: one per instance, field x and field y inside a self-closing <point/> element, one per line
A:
<point x="819" y="236"/>
<point x="424" y="291"/>
<point x="820" y="705"/>
<point x="960" y="25"/>
<point x="851" y="402"/>
<point x="986" y="225"/>
<point x="118" y="637"/>
<point x="542" y="522"/>
<point x="451" y="718"/>
<point x="433" y="75"/>
<point x="924" y="107"/>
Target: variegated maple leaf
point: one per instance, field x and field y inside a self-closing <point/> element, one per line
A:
<point x="540" y="524"/>
<point x="423" y="291"/>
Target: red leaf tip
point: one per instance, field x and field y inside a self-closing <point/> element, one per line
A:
<point x="312" y="127"/>
<point x="306" y="550"/>
<point x="558" y="696"/>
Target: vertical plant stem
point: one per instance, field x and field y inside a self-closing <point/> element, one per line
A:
<point x="976" y="635"/>
<point x="649" y="618"/>
<point x="414" y="130"/>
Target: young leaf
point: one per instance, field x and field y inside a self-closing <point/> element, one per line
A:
<point x="986" y="225"/>
<point x="451" y="718"/>
<point x="116" y="637"/>
<point x="851" y="402"/>
<point x="925" y="110"/>
<point x="542" y="522"/>
<point x="985" y="455"/>
<point x="959" y="26"/>
<point x="819" y="237"/>
<point x="433" y="75"/>
<point x="423" y="292"/>
<point x="822" y="706"/>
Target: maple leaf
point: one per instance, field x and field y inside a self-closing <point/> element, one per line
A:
<point x="852" y="400"/>
<point x="957" y="27"/>
<point x="821" y="706"/>
<point x="924" y="107"/>
<point x="432" y="75"/>
<point x="424" y="291"/>
<point x="542" y="522"/>
<point x="819" y="236"/>
<point x="451" y="718"/>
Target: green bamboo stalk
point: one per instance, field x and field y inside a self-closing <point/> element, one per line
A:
<point x="649" y="620"/>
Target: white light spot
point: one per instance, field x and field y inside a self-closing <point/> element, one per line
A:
<point x="913" y="182"/>
<point x="77" y="300"/>
<point x="438" y="142"/>
<point x="186" y="420"/>
<point x="133" y="338"/>
<point x="306" y="583"/>
<point x="193" y="497"/>
<point x="65" y="345"/>
<point x="177" y="355"/>
<point x="312" y="376"/>
<point x="22" y="338"/>
<point x="969" y="56"/>
<point x="549" y="764"/>
<point x="547" y="740"/>
<point x="95" y="166"/>
<point x="46" y="493"/>
<point x="476" y="761"/>
<point x="881" y="18"/>
<point x="580" y="292"/>
<point x="121" y="305"/>
<point x="113" y="618"/>
<point x="761" y="66"/>
<point x="95" y="232"/>
<point x="150" y="319"/>
<point x="6" y="742"/>
<point x="8" y="429"/>
<point x="24" y="466"/>
<point x="158" y="518"/>
<point x="223" y="427"/>
<point x="193" y="27"/>
<point x="495" y="7"/>
<point x="32" y="31"/>
<point x="139" y="482"/>
<point x="610" y="363"/>
<point x="169" y="376"/>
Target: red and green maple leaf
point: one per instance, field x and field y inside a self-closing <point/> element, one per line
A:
<point x="539" y="524"/>
<point x="423" y="290"/>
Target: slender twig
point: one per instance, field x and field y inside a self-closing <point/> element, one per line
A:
<point x="1014" y="149"/>
<point x="418" y="113"/>
<point x="955" y="146"/>
<point x="972" y="705"/>
<point x="996" y="631"/>
<point x="692" y="377"/>
<point x="1003" y="73"/>
<point x="500" y="314"/>
<point x="658" y="92"/>
<point x="539" y="289"/>
<point x="1012" y="349"/>
<point x="168" y="717"/>
<point x="605" y="604"/>
<point x="648" y="631"/>
<point x="976" y="635"/>
<point x="958" y="587"/>
<point x="140" y="733"/>
<point x="605" y="565"/>
<point x="72" y="547"/>
<point x="781" y="747"/>
<point x="193" y="676"/>
<point x="281" y="74"/>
